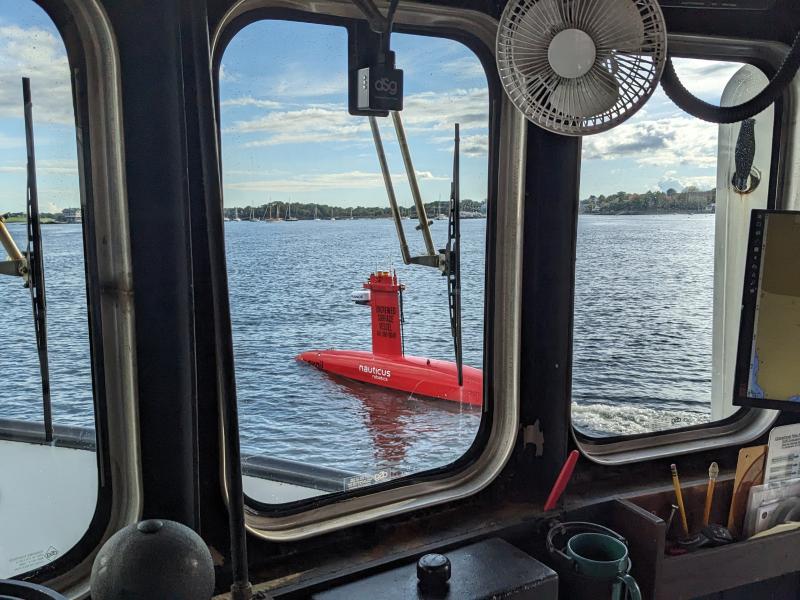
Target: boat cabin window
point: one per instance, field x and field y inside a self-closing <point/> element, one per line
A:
<point x="661" y="243"/>
<point x="344" y="356"/>
<point x="49" y="487"/>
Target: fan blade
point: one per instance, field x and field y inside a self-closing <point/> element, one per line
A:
<point x="616" y="25"/>
<point x="588" y="96"/>
<point x="533" y="31"/>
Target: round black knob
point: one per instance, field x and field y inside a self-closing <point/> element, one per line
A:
<point x="433" y="571"/>
<point x="153" y="559"/>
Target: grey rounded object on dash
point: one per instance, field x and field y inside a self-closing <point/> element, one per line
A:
<point x="152" y="559"/>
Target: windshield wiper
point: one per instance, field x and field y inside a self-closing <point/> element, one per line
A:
<point x="30" y="265"/>
<point x="36" y="263"/>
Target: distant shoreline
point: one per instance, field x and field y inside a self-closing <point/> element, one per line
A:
<point x="44" y="221"/>
<point x="645" y="213"/>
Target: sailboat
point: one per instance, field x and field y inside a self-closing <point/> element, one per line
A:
<point x="236" y="213"/>
<point x="316" y="218"/>
<point x="440" y="216"/>
<point x="351" y="214"/>
<point x="333" y="211"/>
<point x="289" y="216"/>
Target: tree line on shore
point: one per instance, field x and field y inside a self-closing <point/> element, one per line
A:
<point x="45" y="218"/>
<point x="690" y="200"/>
<point x="307" y="211"/>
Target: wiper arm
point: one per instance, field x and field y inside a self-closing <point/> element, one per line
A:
<point x="430" y="258"/>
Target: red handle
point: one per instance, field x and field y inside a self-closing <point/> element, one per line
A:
<point x="562" y="480"/>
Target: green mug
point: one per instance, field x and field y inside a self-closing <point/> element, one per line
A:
<point x="601" y="556"/>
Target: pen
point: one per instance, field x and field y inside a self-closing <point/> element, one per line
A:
<point x="679" y="497"/>
<point x="713" y="471"/>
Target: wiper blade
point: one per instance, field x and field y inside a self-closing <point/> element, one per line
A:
<point x="453" y="262"/>
<point x="36" y="263"/>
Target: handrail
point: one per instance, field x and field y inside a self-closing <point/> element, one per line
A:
<point x="281" y="470"/>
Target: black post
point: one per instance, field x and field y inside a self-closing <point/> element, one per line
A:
<point x="208" y="198"/>
<point x="36" y="263"/>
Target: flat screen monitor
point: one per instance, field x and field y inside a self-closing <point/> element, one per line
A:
<point x="768" y="358"/>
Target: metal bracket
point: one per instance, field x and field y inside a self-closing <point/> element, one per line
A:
<point x="15" y="268"/>
<point x="436" y="261"/>
<point x="17" y="263"/>
<point x="752" y="182"/>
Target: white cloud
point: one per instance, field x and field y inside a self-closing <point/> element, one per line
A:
<point x="307" y="125"/>
<point x="671" y="179"/>
<point x="315" y="182"/>
<point x="441" y="110"/>
<point x="225" y="75"/>
<point x="466" y="67"/>
<point x="424" y="112"/>
<point x="705" y="78"/>
<point x="7" y="141"/>
<point x="297" y="82"/>
<point x="664" y="142"/>
<point x="475" y="145"/>
<point x="250" y="101"/>
<point x="40" y="55"/>
<point x="50" y="167"/>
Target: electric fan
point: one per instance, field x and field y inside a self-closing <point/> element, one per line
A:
<point x="577" y="67"/>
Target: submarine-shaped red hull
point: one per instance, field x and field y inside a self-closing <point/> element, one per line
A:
<point x="387" y="365"/>
<point x="413" y="374"/>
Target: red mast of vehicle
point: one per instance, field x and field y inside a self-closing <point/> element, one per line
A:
<point x="387" y="333"/>
<point x="387" y="365"/>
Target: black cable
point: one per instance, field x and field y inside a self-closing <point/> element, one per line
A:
<point x="390" y="15"/>
<point x="691" y="104"/>
<point x="387" y="32"/>
<point x="376" y="20"/>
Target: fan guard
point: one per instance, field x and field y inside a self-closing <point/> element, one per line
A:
<point x="577" y="67"/>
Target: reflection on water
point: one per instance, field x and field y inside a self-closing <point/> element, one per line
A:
<point x="389" y="416"/>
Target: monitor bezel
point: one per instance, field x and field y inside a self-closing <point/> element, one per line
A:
<point x="752" y="280"/>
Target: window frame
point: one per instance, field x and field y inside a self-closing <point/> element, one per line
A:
<point x="484" y="461"/>
<point x="746" y="424"/>
<point x="89" y="41"/>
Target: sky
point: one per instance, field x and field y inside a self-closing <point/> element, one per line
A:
<point x="30" y="46"/>
<point x="287" y="135"/>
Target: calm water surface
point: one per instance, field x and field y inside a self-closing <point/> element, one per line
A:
<point x="642" y="335"/>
